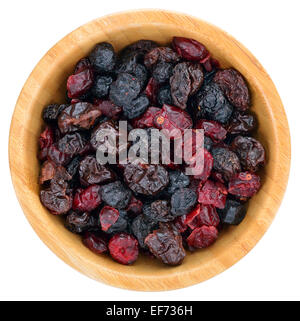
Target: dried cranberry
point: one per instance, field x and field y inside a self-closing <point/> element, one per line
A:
<point x="203" y="237"/>
<point x="190" y="49"/>
<point x="203" y="169"/>
<point x="152" y="90"/>
<point x="244" y="184"/>
<point x="186" y="80"/>
<point x="95" y="243"/>
<point x="250" y="151"/>
<point x="146" y="120"/>
<point x="208" y="216"/>
<point x="182" y="201"/>
<point x="146" y="179"/>
<point x="212" y="193"/>
<point x="135" y="206"/>
<point x="46" y="138"/>
<point x="212" y="129"/>
<point x="226" y="162"/>
<point x="235" y="88"/>
<point x="123" y="248"/>
<point x="108" y="108"/>
<point x="160" y="54"/>
<point x="78" y="223"/>
<point x="80" y="83"/>
<point x="91" y="172"/>
<point x="173" y="118"/>
<point x="86" y="200"/>
<point x="81" y="65"/>
<point x="78" y="116"/>
<point x="108" y="217"/>
<point x="166" y="244"/>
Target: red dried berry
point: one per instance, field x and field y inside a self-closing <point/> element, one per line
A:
<point x="173" y="118"/>
<point x="192" y="218"/>
<point x="152" y="90"/>
<point x="212" y="129"/>
<point x="108" y="108"/>
<point x="135" y="206"/>
<point x="79" y="83"/>
<point x="95" y="243"/>
<point x="202" y="237"/>
<point x="203" y="169"/>
<point x="190" y="49"/>
<point x="81" y="65"/>
<point x="244" y="184"/>
<point x="202" y="215"/>
<point x="46" y="138"/>
<point x="212" y="193"/>
<point x="108" y="217"/>
<point x="146" y="120"/>
<point x="86" y="200"/>
<point x="123" y="248"/>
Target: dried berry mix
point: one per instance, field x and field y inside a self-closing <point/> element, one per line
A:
<point x="122" y="209"/>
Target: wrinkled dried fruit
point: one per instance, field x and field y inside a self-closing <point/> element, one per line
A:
<point x="72" y="144"/>
<point x="78" y="116"/>
<point x="141" y="227"/>
<point x="95" y="243"/>
<point x="101" y="86"/>
<point x="166" y="244"/>
<point x="116" y="195"/>
<point x="108" y="217"/>
<point x="202" y="169"/>
<point x="233" y="213"/>
<point x="164" y="96"/>
<point x="108" y="108"/>
<point x="212" y="129"/>
<point x="103" y="57"/>
<point x="123" y="248"/>
<point x="226" y="162"/>
<point x="160" y="54"/>
<point x="162" y="72"/>
<point x="152" y="90"/>
<point x="235" y="88"/>
<point x="190" y="49"/>
<point x="158" y="211"/>
<point x="136" y="107"/>
<point x="78" y="84"/>
<point x="78" y="223"/>
<point x="51" y="112"/>
<point x="250" y="152"/>
<point x="182" y="201"/>
<point x="135" y="206"/>
<point x="86" y="200"/>
<point x="244" y="184"/>
<point x="212" y="193"/>
<point x="48" y="171"/>
<point x="203" y="237"/>
<point x="146" y="179"/>
<point x="146" y="120"/>
<point x="177" y="180"/>
<point x="241" y="123"/>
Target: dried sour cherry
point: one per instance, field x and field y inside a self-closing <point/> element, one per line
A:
<point x="146" y="120"/>
<point x="95" y="242"/>
<point x="88" y="199"/>
<point x="212" y="193"/>
<point x="203" y="237"/>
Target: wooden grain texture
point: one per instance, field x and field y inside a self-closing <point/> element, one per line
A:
<point x="46" y="84"/>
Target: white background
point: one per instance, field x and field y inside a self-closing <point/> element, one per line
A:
<point x="29" y="270"/>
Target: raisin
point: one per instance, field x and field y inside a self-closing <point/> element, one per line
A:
<point x="179" y="223"/>
<point x="162" y="72"/>
<point x="124" y="89"/>
<point x="212" y="193"/>
<point x="170" y="118"/>
<point x="152" y="90"/>
<point x="250" y="152"/>
<point x="101" y="86"/>
<point x="79" y="223"/>
<point x="244" y="184"/>
<point x="56" y="156"/>
<point x="78" y="84"/>
<point x="78" y="116"/>
<point x="235" y="88"/>
<point x="95" y="243"/>
<point x="137" y="70"/>
<point x="241" y="123"/>
<point x="226" y="162"/>
<point x="103" y="57"/>
<point x="55" y="198"/>
<point x="140" y="47"/>
<point x="166" y="244"/>
<point x="190" y="49"/>
<point x="233" y="213"/>
<point x="116" y="195"/>
<point x="202" y="237"/>
<point x="141" y="227"/>
<point x="186" y="80"/>
<point x="108" y="108"/>
<point x="146" y="120"/>
<point x="86" y="200"/>
<point x="160" y="54"/>
<point x="136" y="107"/>
<point x="177" y="180"/>
<point x="158" y="211"/>
<point x="182" y="201"/>
<point x="123" y="248"/>
<point x="135" y="206"/>
<point x="212" y="103"/>
<point x="72" y="144"/>
<point x="48" y="171"/>
<point x="212" y="129"/>
<point x="146" y="179"/>
<point x="51" y="112"/>
<point x="164" y="96"/>
<point x="46" y="138"/>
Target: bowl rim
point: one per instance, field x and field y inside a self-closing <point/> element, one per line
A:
<point x="109" y="275"/>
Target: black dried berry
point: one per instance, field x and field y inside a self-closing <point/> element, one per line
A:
<point x="177" y="180"/>
<point x="101" y="86"/>
<point x="78" y="223"/>
<point x="136" y="107"/>
<point x="51" y="112"/>
<point x="116" y="195"/>
<point x="103" y="57"/>
<point x="233" y="213"/>
<point x="164" y="96"/>
<point x="183" y="201"/>
<point x="141" y="227"/>
<point x="158" y="211"/>
<point x="162" y="72"/>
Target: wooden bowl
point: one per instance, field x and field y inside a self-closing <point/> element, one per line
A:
<point x="47" y="83"/>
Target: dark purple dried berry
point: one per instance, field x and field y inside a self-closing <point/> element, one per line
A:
<point x="164" y="96"/>
<point x="78" y="223"/>
<point x="101" y="86"/>
<point x="160" y="54"/>
<point x="72" y="144"/>
<point x="158" y="211"/>
<point x="233" y="213"/>
<point x="162" y="72"/>
<point x="136" y="108"/>
<point x="116" y="195"/>
<point x="183" y="201"/>
<point x="51" y="112"/>
<point x="241" y="123"/>
<point x="103" y="57"/>
<point x="177" y="180"/>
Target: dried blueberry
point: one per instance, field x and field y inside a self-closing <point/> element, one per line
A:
<point x="136" y="107"/>
<point x="116" y="195"/>
<point x="183" y="201"/>
<point x="101" y="86"/>
<point x="103" y="57"/>
<point x="233" y="213"/>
